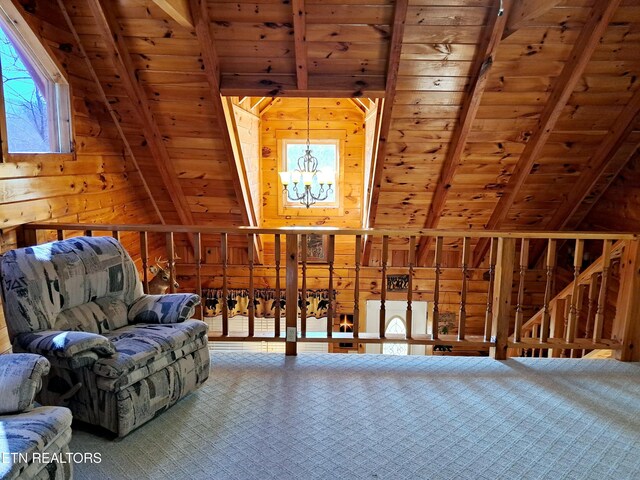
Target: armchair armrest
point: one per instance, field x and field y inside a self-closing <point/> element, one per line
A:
<point x="64" y="344"/>
<point x="172" y="308"/>
<point x="20" y="379"/>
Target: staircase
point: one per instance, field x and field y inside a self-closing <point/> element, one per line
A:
<point x="594" y="306"/>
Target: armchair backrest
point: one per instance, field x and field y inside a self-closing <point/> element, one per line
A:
<point x="40" y="282"/>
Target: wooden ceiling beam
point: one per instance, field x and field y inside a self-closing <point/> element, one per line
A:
<point x="178" y="10"/>
<point x="319" y="86"/>
<point x="110" y="30"/>
<point x="200" y="16"/>
<point x="524" y="11"/>
<point x="109" y="107"/>
<point x="589" y="38"/>
<point x="395" y="48"/>
<point x="300" y="43"/>
<point x="482" y="67"/>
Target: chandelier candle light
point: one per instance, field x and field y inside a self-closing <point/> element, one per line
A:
<point x="307" y="170"/>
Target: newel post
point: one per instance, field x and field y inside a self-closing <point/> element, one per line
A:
<point x="626" y="325"/>
<point x="502" y="291"/>
<point x="291" y="290"/>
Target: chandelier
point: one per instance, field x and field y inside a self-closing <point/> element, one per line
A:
<point x="307" y="170"/>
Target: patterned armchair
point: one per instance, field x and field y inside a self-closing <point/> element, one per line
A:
<point x="34" y="442"/>
<point x="118" y="357"/>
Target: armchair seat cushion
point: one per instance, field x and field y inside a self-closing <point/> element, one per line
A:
<point x="32" y="432"/>
<point x="140" y="345"/>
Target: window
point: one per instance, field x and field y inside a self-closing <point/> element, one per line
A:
<point x="327" y="154"/>
<point x="395" y="325"/>
<point x="36" y="96"/>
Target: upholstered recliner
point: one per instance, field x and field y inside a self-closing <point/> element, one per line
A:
<point x="118" y="357"/>
<point x="34" y="441"/>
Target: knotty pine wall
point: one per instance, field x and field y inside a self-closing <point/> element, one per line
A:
<point x="619" y="207"/>
<point x="248" y="125"/>
<point x="98" y="183"/>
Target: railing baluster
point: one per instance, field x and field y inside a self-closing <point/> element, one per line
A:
<point x="303" y="307"/>
<point x="225" y="284"/>
<point x="492" y="272"/>
<point x="462" y="318"/>
<point x="60" y="234"/>
<point x="172" y="261"/>
<point x="331" y="247"/>
<point x="356" y="288"/>
<point x="524" y="261"/>
<point x="572" y="321"/>
<point x="602" y="297"/>
<point x="251" y="242"/>
<point x="565" y="318"/>
<point x="550" y="264"/>
<point x="197" y="256"/>
<point x="436" y="289"/>
<point x="578" y="302"/>
<point x="144" y="253"/>
<point x="88" y="233"/>
<point x="412" y="260"/>
<point x="116" y="234"/>
<point x="591" y="312"/>
<point x="276" y="322"/>
<point x="383" y="287"/>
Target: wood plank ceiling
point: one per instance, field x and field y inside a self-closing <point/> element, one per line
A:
<point x="499" y="114"/>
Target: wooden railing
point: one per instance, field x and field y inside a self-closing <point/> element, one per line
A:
<point x="562" y="315"/>
<point x="489" y="312"/>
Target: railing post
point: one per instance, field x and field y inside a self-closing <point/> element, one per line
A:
<point x="626" y="326"/>
<point x="26" y="237"/>
<point x="502" y="291"/>
<point x="291" y="289"/>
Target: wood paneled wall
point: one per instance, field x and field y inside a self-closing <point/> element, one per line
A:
<point x="619" y="207"/>
<point x="248" y="125"/>
<point x="290" y="114"/>
<point x="98" y="183"/>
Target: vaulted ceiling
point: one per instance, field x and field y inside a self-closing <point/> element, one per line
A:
<point x="496" y="114"/>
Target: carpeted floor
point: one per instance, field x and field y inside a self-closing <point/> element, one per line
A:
<point x="264" y="416"/>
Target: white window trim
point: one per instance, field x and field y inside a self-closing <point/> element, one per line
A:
<point x="59" y="123"/>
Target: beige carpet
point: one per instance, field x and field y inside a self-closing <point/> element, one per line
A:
<point x="265" y="416"/>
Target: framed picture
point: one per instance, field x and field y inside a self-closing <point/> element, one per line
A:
<point x="397" y="283"/>
<point x="316" y="248"/>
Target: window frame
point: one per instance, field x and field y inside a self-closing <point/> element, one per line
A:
<point x="287" y="208"/>
<point x="57" y="86"/>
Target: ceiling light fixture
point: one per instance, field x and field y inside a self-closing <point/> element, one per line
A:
<point x="306" y="172"/>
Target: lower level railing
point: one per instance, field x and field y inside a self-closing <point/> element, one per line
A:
<point x="504" y="303"/>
